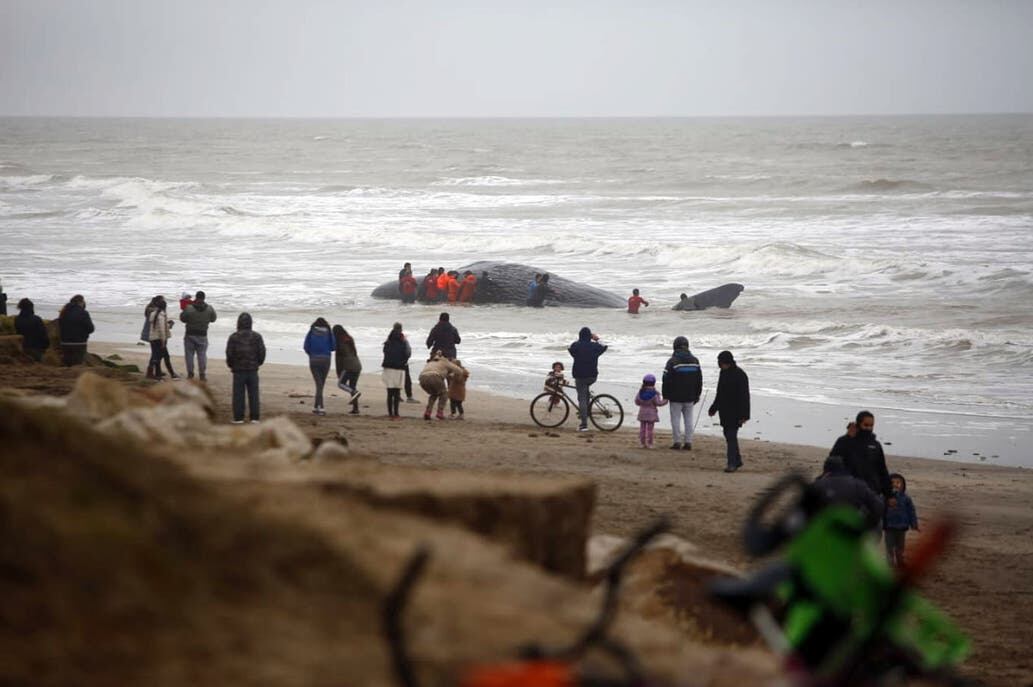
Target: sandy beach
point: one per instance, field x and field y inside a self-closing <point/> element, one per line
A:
<point x="985" y="581"/>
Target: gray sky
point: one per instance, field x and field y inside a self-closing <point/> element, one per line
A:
<point x="389" y="58"/>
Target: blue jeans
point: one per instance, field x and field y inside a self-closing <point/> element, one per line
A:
<point x="732" y="438"/>
<point x="245" y="380"/>
<point x="583" y="397"/>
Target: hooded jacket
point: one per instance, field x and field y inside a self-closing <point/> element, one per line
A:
<point x="346" y="358"/>
<point x="837" y="486"/>
<point x="33" y="331"/>
<point x="75" y="324"/>
<point x="902" y="516"/>
<point x="197" y="316"/>
<point x="457" y="384"/>
<point x="647" y="400"/>
<point x="683" y="377"/>
<point x="319" y="342"/>
<point x="444" y="338"/>
<point x="245" y="349"/>
<point x="585" y="353"/>
<point x="732" y="400"/>
<point x="864" y="459"/>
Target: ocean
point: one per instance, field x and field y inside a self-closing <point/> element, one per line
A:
<point x="888" y="261"/>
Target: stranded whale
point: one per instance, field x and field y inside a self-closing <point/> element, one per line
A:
<point x="719" y="297"/>
<point x="507" y="282"/>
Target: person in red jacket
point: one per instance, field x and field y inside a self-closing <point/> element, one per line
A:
<point x="453" y="287"/>
<point x="468" y="287"/>
<point x="635" y="301"/>
<point x="442" y="284"/>
<point x="430" y="286"/>
<point x="407" y="287"/>
<point x="185" y="301"/>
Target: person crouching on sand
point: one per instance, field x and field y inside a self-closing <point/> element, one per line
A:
<point x="648" y="399"/>
<point x="457" y="391"/>
<point x="432" y="380"/>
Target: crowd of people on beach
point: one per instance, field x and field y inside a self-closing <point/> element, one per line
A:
<point x="854" y="473"/>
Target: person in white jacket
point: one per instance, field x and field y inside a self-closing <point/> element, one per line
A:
<point x="433" y="381"/>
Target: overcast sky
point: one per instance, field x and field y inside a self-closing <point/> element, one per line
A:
<point x="310" y="58"/>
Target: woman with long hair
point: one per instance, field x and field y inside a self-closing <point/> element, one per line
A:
<point x="348" y="366"/>
<point x="319" y="344"/>
<point x="396" y="358"/>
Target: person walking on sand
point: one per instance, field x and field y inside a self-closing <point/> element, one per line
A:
<point x="863" y="455"/>
<point x="159" y="329"/>
<point x="635" y="302"/>
<point x="457" y="391"/>
<point x="347" y="365"/>
<point x="682" y="386"/>
<point x="585" y="352"/>
<point x="648" y="400"/>
<point x="196" y="317"/>
<point x="245" y="353"/>
<point x="837" y="486"/>
<point x="75" y="326"/>
<point x="732" y="401"/>
<point x="35" y="340"/>
<point x="444" y="337"/>
<point x="319" y="345"/>
<point x="900" y="517"/>
<point x="432" y="380"/>
<point x="396" y="359"/>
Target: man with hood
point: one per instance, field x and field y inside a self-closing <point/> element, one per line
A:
<point x="444" y="337"/>
<point x="75" y="326"/>
<point x="682" y="386"/>
<point x="245" y="353"/>
<point x="863" y="455"/>
<point x="837" y="486"/>
<point x="585" y="352"/>
<point x="732" y="403"/>
<point x="197" y="316"/>
<point x="35" y="340"/>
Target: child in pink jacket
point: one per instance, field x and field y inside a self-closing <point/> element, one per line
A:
<point x="648" y="399"/>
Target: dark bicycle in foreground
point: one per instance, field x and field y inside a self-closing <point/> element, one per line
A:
<point x="552" y="408"/>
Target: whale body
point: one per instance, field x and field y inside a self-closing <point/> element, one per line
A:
<point x="507" y="282"/>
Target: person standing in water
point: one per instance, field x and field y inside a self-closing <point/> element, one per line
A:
<point x="635" y="302"/>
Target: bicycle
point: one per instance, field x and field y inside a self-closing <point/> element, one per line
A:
<point x="552" y="408"/>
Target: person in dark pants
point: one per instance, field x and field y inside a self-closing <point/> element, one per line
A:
<point x="245" y="353"/>
<point x="863" y="456"/>
<point x="35" y="340"/>
<point x="75" y="326"/>
<point x="585" y="352"/>
<point x="444" y="337"/>
<point x="320" y="346"/>
<point x="347" y="364"/>
<point x="732" y="403"/>
<point x="837" y="486"/>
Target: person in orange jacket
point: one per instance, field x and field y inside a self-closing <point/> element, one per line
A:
<point x="453" y="287"/>
<point x="468" y="287"/>
<point x="442" y="284"/>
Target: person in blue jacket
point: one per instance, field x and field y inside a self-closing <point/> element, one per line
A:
<point x="320" y="346"/>
<point x="585" y="351"/>
<point x="899" y="518"/>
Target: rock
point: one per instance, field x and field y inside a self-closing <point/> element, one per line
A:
<point x="94" y="397"/>
<point x="122" y="567"/>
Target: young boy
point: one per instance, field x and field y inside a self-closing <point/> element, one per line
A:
<point x="457" y="391"/>
<point x="900" y="517"/>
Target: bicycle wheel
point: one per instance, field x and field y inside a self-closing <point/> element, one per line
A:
<point x="606" y="412"/>
<point x="549" y="410"/>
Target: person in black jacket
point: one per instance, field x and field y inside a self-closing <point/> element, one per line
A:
<point x="863" y="456"/>
<point x="34" y="333"/>
<point x="444" y="337"/>
<point x="245" y="353"/>
<point x="837" y="486"/>
<point x="397" y="352"/>
<point x="732" y="403"/>
<point x="682" y="385"/>
<point x="75" y="326"/>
